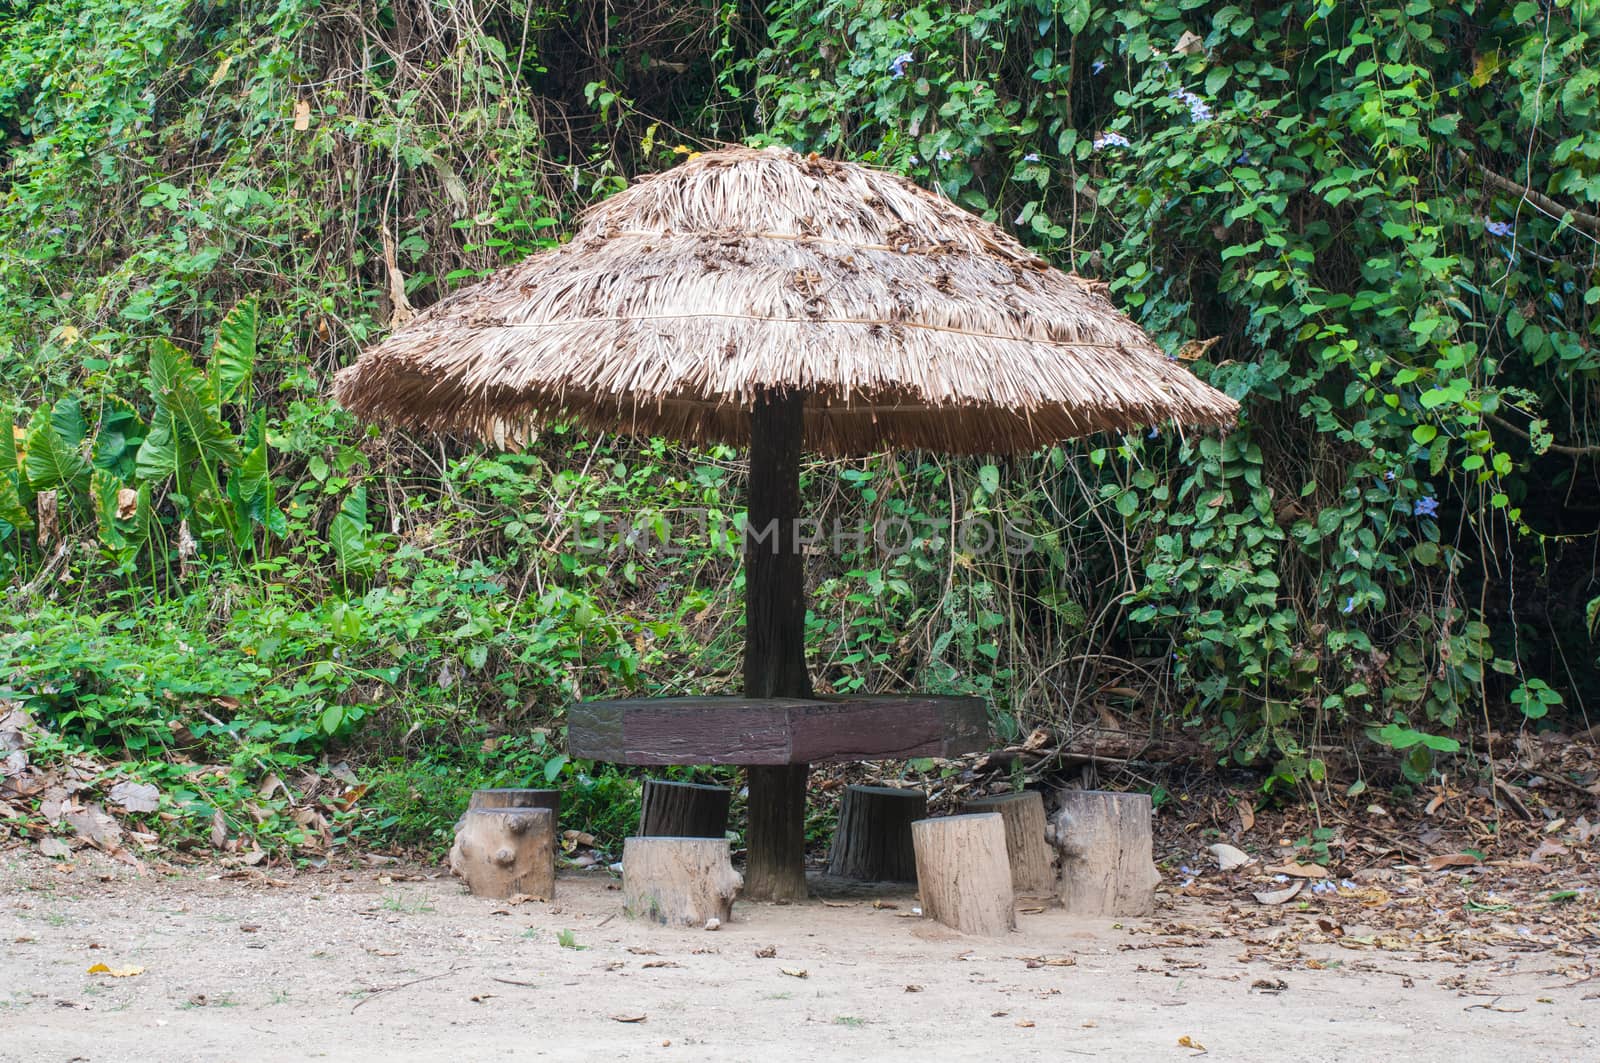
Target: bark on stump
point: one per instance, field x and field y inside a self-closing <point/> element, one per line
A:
<point x="683" y="810"/>
<point x="513" y="797"/>
<point x="963" y="873"/>
<point x="1032" y="870"/>
<point x="873" y="840"/>
<point x="503" y="852"/>
<point x="678" y="881"/>
<point x="1107" y="866"/>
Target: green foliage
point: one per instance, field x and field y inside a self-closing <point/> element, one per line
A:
<point x="1305" y="183"/>
<point x="1375" y="225"/>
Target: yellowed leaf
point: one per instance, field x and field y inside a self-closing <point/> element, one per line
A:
<point x="221" y="71"/>
<point x="1189" y="1042"/>
<point x="302" y="115"/>
<point x="116" y="972"/>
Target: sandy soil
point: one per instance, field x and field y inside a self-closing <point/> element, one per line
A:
<point x="399" y="962"/>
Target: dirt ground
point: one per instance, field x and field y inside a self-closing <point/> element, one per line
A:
<point x="399" y="962"/>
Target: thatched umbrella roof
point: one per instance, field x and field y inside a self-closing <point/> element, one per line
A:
<point x="905" y="320"/>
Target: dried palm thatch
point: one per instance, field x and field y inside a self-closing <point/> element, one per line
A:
<point x="906" y="321"/>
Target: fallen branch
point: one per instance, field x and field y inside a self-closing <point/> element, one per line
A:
<point x="1590" y="222"/>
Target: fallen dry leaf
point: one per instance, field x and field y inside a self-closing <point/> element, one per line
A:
<point x="116" y="972"/>
<point x="1189" y="1042"/>
<point x="795" y="972"/>
<point x="766" y="952"/>
<point x="629" y="1018"/>
<point x="1300" y="870"/>
<point x="302" y="116"/>
<point x="136" y="796"/>
<point x="1230" y="857"/>
<point x="662" y="963"/>
<point x="1050" y="961"/>
<point x="54" y="847"/>
<point x="1025" y="1023"/>
<point x="1280" y="896"/>
<point x="1439" y="863"/>
<point x="1547" y="849"/>
<point x="913" y="988"/>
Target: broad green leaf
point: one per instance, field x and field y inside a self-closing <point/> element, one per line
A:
<point x="348" y="533"/>
<point x="185" y="426"/>
<point x="14" y="516"/>
<point x="233" y="355"/>
<point x="250" y="490"/>
<point x="53" y="459"/>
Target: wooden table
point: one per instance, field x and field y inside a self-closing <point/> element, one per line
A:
<point x="776" y="734"/>
<point x="768" y="731"/>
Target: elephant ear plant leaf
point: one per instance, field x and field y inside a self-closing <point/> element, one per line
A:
<point x="188" y="440"/>
<point x="233" y="355"/>
<point x="14" y="516"/>
<point x="54" y="443"/>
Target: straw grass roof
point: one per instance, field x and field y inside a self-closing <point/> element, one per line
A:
<point x="907" y="321"/>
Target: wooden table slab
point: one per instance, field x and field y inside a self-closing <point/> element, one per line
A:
<point x="762" y="731"/>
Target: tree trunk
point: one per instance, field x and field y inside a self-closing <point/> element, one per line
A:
<point x="873" y="841"/>
<point x="503" y="852"/>
<point x="775" y="641"/>
<point x="1107" y="867"/>
<point x="1032" y="873"/>
<point x="678" y="881"/>
<point x="683" y="810"/>
<point x="963" y="875"/>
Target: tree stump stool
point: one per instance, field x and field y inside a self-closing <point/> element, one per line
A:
<point x="503" y="852"/>
<point x="513" y="797"/>
<point x="873" y="840"/>
<point x="1032" y="870"/>
<point x="1107" y="866"/>
<point x="678" y="881"/>
<point x="963" y="873"/>
<point x="683" y="810"/>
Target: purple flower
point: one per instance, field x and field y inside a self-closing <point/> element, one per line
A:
<point x="1426" y="507"/>
<point x="1097" y="66"/>
<point x="1389" y="476"/>
<point x="1349" y="605"/>
<point x="943" y="156"/>
<point x="1498" y="228"/>
<point x="897" y="66"/>
<point x="1110" y="140"/>
<point x="1199" y="109"/>
<point x="1032" y="156"/>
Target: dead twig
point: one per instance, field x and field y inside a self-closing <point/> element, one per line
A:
<point x="378" y="992"/>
